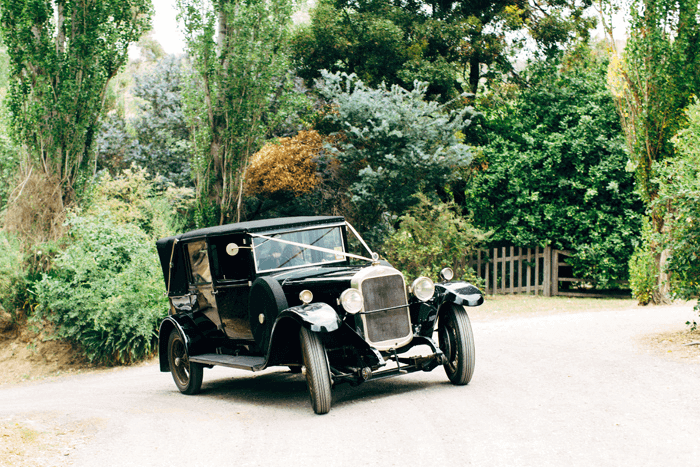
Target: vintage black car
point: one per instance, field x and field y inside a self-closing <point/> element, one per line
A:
<point x="289" y="292"/>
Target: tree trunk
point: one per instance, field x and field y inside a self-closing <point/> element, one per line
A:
<point x="474" y="73"/>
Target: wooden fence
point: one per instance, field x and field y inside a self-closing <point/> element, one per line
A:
<point x="505" y="272"/>
<point x="512" y="270"/>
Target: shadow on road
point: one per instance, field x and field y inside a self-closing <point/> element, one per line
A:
<point x="284" y="389"/>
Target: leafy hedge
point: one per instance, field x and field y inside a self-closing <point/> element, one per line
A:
<point x="432" y="236"/>
<point x="105" y="291"/>
<point x="554" y="171"/>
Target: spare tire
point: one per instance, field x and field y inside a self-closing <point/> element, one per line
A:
<point x="265" y="302"/>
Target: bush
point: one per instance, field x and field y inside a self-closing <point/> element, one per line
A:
<point x="105" y="291"/>
<point x="432" y="236"/>
<point x="286" y="165"/>
<point x="392" y="144"/>
<point x="13" y="278"/>
<point x="133" y="197"/>
<point x="644" y="279"/>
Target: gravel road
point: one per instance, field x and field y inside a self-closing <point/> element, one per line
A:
<point x="568" y="389"/>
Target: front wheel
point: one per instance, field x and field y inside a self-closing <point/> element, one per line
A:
<point x="318" y="377"/>
<point x="457" y="343"/>
<point x="187" y="375"/>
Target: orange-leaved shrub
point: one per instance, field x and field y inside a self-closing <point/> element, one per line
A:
<point x="285" y="165"/>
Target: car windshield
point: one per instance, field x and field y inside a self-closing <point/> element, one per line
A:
<point x="272" y="254"/>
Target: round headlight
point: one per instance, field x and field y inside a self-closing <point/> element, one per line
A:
<point x="423" y="288"/>
<point x="447" y="274"/>
<point x="306" y="296"/>
<point x="351" y="299"/>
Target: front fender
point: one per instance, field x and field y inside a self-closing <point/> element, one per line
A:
<point x="459" y="293"/>
<point x="284" y="340"/>
<point x="317" y="317"/>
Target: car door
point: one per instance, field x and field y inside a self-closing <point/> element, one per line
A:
<point x="232" y="269"/>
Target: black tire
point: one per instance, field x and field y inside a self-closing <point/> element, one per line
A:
<point x="187" y="375"/>
<point x="457" y="343"/>
<point x="317" y="373"/>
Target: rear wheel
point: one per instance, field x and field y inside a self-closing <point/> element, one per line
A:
<point x="316" y="369"/>
<point x="187" y="375"/>
<point x="457" y="343"/>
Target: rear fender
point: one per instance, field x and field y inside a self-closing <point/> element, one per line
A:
<point x="187" y="330"/>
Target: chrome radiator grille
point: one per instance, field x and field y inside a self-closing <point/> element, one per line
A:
<point x="385" y="293"/>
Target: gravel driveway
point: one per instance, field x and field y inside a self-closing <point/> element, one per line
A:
<point x="568" y="389"/>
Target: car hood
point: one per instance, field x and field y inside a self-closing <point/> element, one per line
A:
<point x="315" y="275"/>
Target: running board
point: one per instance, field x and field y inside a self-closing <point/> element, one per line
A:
<point x="242" y="362"/>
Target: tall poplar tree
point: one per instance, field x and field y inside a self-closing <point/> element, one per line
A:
<point x="238" y="52"/>
<point x="653" y="82"/>
<point x="62" y="56"/>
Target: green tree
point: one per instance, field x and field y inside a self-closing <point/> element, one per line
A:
<point x="444" y="42"/>
<point x="679" y="197"/>
<point x="392" y="144"/>
<point x="238" y="52"/>
<point x="158" y="139"/>
<point x="554" y="170"/>
<point x="653" y="82"/>
<point x="62" y="56"/>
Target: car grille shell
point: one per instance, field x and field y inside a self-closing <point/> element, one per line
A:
<point x="385" y="320"/>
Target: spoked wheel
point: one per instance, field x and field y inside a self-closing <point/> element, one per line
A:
<point x="457" y="343"/>
<point x="187" y="375"/>
<point x="318" y="377"/>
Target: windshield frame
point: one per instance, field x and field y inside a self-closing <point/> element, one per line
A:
<point x="272" y="237"/>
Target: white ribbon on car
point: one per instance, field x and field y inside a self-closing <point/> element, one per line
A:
<point x="319" y="248"/>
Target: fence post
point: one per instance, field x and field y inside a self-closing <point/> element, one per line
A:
<point x="503" y="270"/>
<point x="495" y="271"/>
<point x="487" y="276"/>
<point x="547" y="271"/>
<point x="529" y="270"/>
<point x="512" y="270"/>
<point x="537" y="271"/>
<point x="555" y="273"/>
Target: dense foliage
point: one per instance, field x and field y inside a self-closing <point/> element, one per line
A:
<point x="158" y="138"/>
<point x="13" y="279"/>
<point x="238" y="93"/>
<point x="653" y="82"/>
<point x="285" y="165"/>
<point x="432" y="236"/>
<point x="392" y="144"/>
<point x="62" y="56"/>
<point x="679" y="197"/>
<point x="450" y="44"/>
<point x="555" y="171"/>
<point x="644" y="270"/>
<point x="104" y="290"/>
